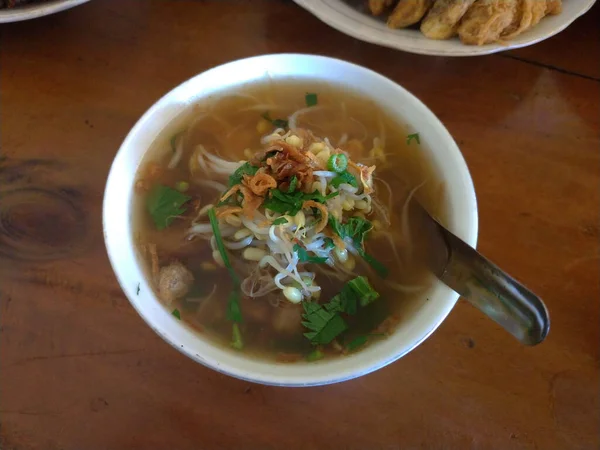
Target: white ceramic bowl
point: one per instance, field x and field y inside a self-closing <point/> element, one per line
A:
<point x="346" y="16"/>
<point x="118" y="198"/>
<point x="35" y="10"/>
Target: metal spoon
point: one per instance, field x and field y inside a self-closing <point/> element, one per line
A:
<point x="483" y="284"/>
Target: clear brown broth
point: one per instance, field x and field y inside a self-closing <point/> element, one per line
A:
<point x="228" y="126"/>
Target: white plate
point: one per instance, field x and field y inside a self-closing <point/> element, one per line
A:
<point x="351" y="18"/>
<point x="35" y="10"/>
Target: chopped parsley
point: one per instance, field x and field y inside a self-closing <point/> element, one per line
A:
<point x="280" y="221"/>
<point x="279" y="123"/>
<point x="176" y="314"/>
<point x="164" y="204"/>
<point x="137" y="291"/>
<point x="311" y="99"/>
<point x="293" y="184"/>
<point x="414" y="136"/>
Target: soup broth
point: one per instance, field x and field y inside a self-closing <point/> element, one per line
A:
<point x="270" y="290"/>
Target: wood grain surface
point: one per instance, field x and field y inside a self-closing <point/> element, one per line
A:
<point x="79" y="370"/>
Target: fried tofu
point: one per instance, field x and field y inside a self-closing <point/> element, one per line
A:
<point x="485" y="21"/>
<point x="408" y="12"/>
<point x="443" y="18"/>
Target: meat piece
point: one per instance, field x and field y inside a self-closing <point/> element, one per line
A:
<point x="442" y="19"/>
<point x="174" y="281"/>
<point x="287" y="319"/>
<point x="377" y="7"/>
<point x="408" y="12"/>
<point x="485" y="21"/>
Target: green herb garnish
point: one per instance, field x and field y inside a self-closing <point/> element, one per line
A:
<point x="357" y="230"/>
<point x="414" y="136"/>
<point x="344" y="177"/>
<point x="176" y="314"/>
<point x="279" y="123"/>
<point x="315" y="355"/>
<point x="337" y="162"/>
<point x="328" y="243"/>
<point x="280" y="221"/>
<point x="290" y="203"/>
<point x="234" y="312"/>
<point x="303" y="256"/>
<point x="182" y="186"/>
<point x="325" y="326"/>
<point x="356" y="343"/>
<point x="137" y="291"/>
<point x="238" y="175"/>
<point x="311" y="99"/>
<point x="236" y="337"/>
<point x="164" y="204"/>
<point x="293" y="184"/>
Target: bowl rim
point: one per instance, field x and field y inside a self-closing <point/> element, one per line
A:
<point x="112" y="243"/>
<point x="346" y="20"/>
<point x="35" y="10"/>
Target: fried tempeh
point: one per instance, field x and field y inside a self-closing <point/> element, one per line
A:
<point x="377" y="7"/>
<point x="485" y="20"/>
<point x="442" y="19"/>
<point x="408" y="12"/>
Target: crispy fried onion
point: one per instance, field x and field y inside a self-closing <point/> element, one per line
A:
<point x="324" y="214"/>
<point x="260" y="183"/>
<point x="289" y="161"/>
<point x="366" y="176"/>
<point x="225" y="211"/>
<point x="250" y="202"/>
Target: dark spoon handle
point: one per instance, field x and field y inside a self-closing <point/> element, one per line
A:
<point x="494" y="292"/>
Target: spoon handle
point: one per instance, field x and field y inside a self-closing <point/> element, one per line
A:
<point x="502" y="298"/>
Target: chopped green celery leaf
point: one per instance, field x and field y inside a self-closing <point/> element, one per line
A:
<point x="311" y="99"/>
<point x="238" y="175"/>
<point x="414" y="136"/>
<point x="378" y="267"/>
<point x="356" y="343"/>
<point x="293" y="184"/>
<point x="236" y="335"/>
<point x="329" y="332"/>
<point x="279" y="123"/>
<point x="363" y="290"/>
<point x="344" y="178"/>
<point x="214" y="223"/>
<point x="355" y="229"/>
<point x="290" y="203"/>
<point x="164" y="204"/>
<point x="280" y="221"/>
<point x="315" y="355"/>
<point x="337" y="162"/>
<point x="176" y="314"/>
<point x="328" y="242"/>
<point x="303" y="256"/>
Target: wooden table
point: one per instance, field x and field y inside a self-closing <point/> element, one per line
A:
<point x="80" y="370"/>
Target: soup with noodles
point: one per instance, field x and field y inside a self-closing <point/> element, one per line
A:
<point x="276" y="220"/>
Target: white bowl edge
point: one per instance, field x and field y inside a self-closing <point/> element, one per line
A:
<point x="124" y="259"/>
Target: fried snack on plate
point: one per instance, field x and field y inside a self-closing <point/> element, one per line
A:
<point x="442" y="19"/>
<point x="377" y="7"/>
<point x="528" y="14"/>
<point x="408" y="12"/>
<point x="485" y="20"/>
